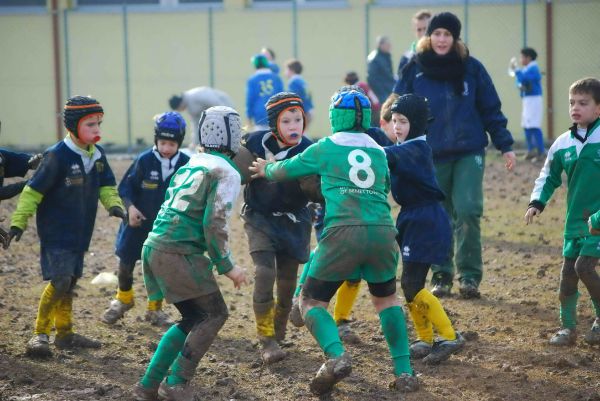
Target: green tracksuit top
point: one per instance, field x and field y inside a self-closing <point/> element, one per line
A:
<point x="581" y="163"/>
<point x="355" y="179"/>
<point x="194" y="217"/>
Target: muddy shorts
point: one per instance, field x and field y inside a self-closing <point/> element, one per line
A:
<point x="582" y="246"/>
<point x="356" y="252"/>
<point x="177" y="276"/>
<point x="279" y="234"/>
<point x="61" y="262"/>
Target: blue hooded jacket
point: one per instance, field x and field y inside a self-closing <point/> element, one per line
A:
<point x="460" y="121"/>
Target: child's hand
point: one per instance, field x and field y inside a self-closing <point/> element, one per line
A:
<point x="258" y="168"/>
<point x="117" y="211"/>
<point x="34" y="162"/>
<point x="529" y="215"/>
<point x="135" y="217"/>
<point x="237" y="275"/>
<point x="593" y="231"/>
<point x="14" y="232"/>
<point x="510" y="160"/>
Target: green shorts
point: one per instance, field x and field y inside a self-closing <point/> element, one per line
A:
<point x="356" y="252"/>
<point x="177" y="276"/>
<point x="582" y="246"/>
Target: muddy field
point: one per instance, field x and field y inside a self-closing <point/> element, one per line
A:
<point x="506" y="357"/>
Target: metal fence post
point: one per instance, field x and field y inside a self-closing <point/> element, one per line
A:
<point x="211" y="49"/>
<point x="466" y="22"/>
<point x="524" y="12"/>
<point x="367" y="28"/>
<point x="295" y="28"/>
<point x="67" y="55"/>
<point x="127" y="83"/>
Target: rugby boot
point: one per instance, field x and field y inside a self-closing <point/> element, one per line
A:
<point x="38" y="346"/>
<point x="115" y="311"/>
<point x="296" y="314"/>
<point x="271" y="352"/>
<point x="175" y="392"/>
<point x="405" y="383"/>
<point x="468" y="289"/>
<point x="158" y="318"/>
<point x="420" y="349"/>
<point x="141" y="393"/>
<point x="330" y="373"/>
<point x="347" y="335"/>
<point x="442" y="285"/>
<point x="442" y="350"/>
<point x="564" y="337"/>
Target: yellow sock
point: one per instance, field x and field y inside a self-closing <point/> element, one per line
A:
<point x="46" y="310"/>
<point x="422" y="325"/>
<point x="154" y="305"/>
<point x="125" y="296"/>
<point x="436" y="314"/>
<point x="264" y="314"/>
<point x="344" y="300"/>
<point x="63" y="319"/>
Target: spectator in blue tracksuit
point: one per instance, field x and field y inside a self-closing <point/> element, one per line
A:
<point x="143" y="191"/>
<point x="263" y="84"/>
<point x="529" y="82"/>
<point x="465" y="105"/>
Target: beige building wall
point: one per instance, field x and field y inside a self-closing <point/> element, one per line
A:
<point x="169" y="53"/>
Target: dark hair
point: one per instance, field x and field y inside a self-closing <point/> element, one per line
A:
<point x="351" y="78"/>
<point x="587" y="86"/>
<point x="294" y="65"/>
<point x="175" y="101"/>
<point x="529" y="52"/>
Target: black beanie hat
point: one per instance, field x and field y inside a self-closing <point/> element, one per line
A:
<point x="447" y="21"/>
<point x="279" y="103"/>
<point x="414" y="108"/>
<point x="77" y="108"/>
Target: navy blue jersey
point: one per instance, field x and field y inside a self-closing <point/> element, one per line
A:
<point x="66" y="215"/>
<point x="144" y="187"/>
<point x="266" y="196"/>
<point x="13" y="164"/>
<point x="424" y="231"/>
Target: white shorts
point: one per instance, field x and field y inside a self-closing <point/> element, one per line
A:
<point x="533" y="111"/>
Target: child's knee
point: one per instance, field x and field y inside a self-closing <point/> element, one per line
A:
<point x="62" y="284"/>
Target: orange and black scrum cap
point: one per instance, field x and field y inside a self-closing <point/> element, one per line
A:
<point x="78" y="107"/>
<point x="279" y="104"/>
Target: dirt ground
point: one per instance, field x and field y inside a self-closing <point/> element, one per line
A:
<point x="506" y="358"/>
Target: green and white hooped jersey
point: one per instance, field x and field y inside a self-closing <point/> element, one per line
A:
<point x="581" y="163"/>
<point x="355" y="179"/>
<point x="194" y="217"/>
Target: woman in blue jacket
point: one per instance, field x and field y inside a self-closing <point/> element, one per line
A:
<point x="464" y="106"/>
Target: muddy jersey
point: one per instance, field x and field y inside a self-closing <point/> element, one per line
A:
<point x="194" y="217"/>
<point x="578" y="155"/>
<point x="355" y="179"/>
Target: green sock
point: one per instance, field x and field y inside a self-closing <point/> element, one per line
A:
<point x="596" y="304"/>
<point x="176" y="377"/>
<point x="303" y="276"/>
<point x="168" y="348"/>
<point x="393" y="326"/>
<point x="322" y="326"/>
<point x="568" y="311"/>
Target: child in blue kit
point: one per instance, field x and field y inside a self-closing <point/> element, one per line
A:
<point x="143" y="191"/>
<point x="529" y="82"/>
<point x="14" y="164"/>
<point x="277" y="222"/>
<point x="424" y="231"/>
<point x="263" y="84"/>
<point x="64" y="193"/>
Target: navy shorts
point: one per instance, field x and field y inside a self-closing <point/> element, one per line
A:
<point x="61" y="262"/>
